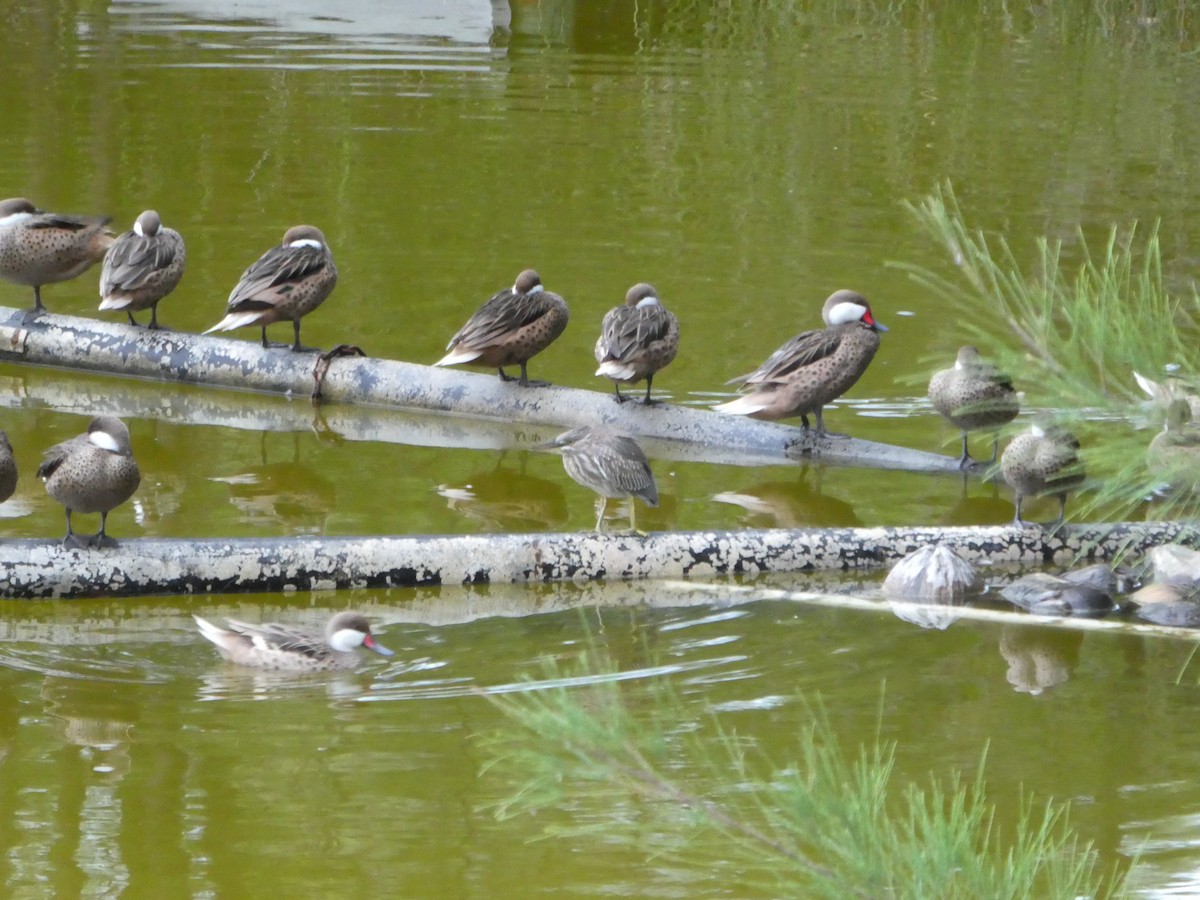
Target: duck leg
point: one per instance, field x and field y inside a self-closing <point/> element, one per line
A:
<point x="1017" y="520"/>
<point x="821" y="432"/>
<point x="37" y="309"/>
<point x="524" y="380"/>
<point x="649" y="381"/>
<point x="72" y="539"/>
<point x="100" y="538"/>
<point x="1062" y="509"/>
<point x="298" y="347"/>
<point x="965" y="461"/>
<point x="620" y="397"/>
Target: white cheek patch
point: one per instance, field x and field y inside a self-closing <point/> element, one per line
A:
<point x="307" y="242"/>
<point x="647" y="301"/>
<point x="845" y="313"/>
<point x="958" y="364"/>
<point x="1038" y="430"/>
<point x="15" y="218"/>
<point x="137" y="229"/>
<point x="346" y="639"/>
<point x="104" y="441"/>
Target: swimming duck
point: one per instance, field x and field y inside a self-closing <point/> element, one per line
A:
<point x="142" y="266"/>
<point x="1042" y="460"/>
<point x="92" y="472"/>
<point x="512" y="327"/>
<point x="8" y="468"/>
<point x="1174" y="453"/>
<point x="38" y="247"/>
<point x="813" y="368"/>
<point x="609" y="463"/>
<point x="281" y="648"/>
<point x="974" y="395"/>
<point x="636" y="340"/>
<point x="288" y="282"/>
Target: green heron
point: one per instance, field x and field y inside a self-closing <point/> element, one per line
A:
<point x="610" y="463"/>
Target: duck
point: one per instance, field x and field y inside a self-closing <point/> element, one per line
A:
<point x="1042" y="460"/>
<point x="512" y="327"/>
<point x="974" y="395"/>
<point x="608" y="462"/>
<point x="8" y="468"/>
<point x="142" y="266"/>
<point x="1174" y="453"/>
<point x="1173" y="388"/>
<point x="815" y="367"/>
<point x="286" y="283"/>
<point x="92" y="472"/>
<point x="636" y="340"/>
<point x="286" y="649"/>
<point x="38" y="247"/>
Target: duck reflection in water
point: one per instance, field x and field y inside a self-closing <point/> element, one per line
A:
<point x="1039" y="658"/>
<point x="986" y="506"/>
<point x="507" y="498"/>
<point x="91" y="719"/>
<point x="293" y="493"/>
<point x="791" y="504"/>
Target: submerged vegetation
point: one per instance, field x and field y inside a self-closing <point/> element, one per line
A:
<point x="1073" y="333"/>
<point x="640" y="771"/>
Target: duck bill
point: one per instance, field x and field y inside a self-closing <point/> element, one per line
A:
<point x="371" y="644"/>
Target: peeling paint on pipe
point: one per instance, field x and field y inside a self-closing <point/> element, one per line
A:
<point x="34" y="569"/>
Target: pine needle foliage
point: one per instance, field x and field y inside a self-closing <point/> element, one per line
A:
<point x="1072" y="333"/>
<point x="635" y="768"/>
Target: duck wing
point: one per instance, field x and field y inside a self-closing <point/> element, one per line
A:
<point x="503" y="314"/>
<point x="274" y="275"/>
<point x="802" y="350"/>
<point x="56" y="455"/>
<point x="281" y="637"/>
<point x="628" y="329"/>
<point x="133" y="259"/>
<point x="65" y="222"/>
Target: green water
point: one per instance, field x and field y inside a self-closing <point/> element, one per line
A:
<point x="747" y="159"/>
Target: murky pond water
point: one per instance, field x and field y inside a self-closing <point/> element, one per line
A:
<point x="747" y="159"/>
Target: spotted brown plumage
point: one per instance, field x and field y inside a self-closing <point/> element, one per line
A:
<point x="286" y="283"/>
<point x="142" y="266"/>
<point x="1042" y="460"/>
<point x="636" y="340"/>
<point x="38" y="247"/>
<point x="283" y="648"/>
<point x="512" y="327"/>
<point x="93" y="472"/>
<point x="974" y="395"/>
<point x="609" y="463"/>
<point x="815" y="367"/>
<point x="8" y="468"/>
